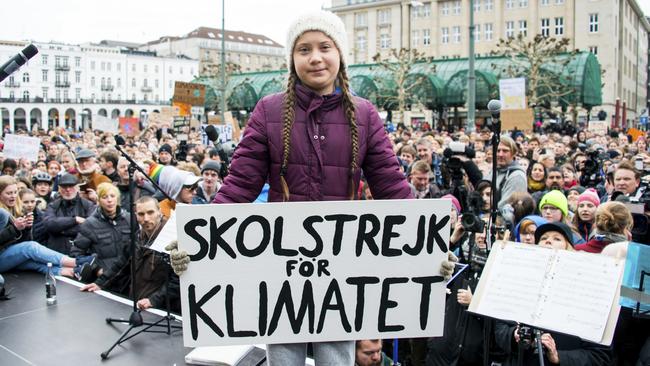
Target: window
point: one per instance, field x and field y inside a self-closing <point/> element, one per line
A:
<point x="133" y="96"/>
<point x="45" y="94"/>
<point x="477" y="6"/>
<point x="426" y="37"/>
<point x="593" y="49"/>
<point x="510" y="29"/>
<point x="145" y="67"/>
<point x="445" y="35"/>
<point x="546" y="24"/>
<point x="383" y="16"/>
<point x="510" y="4"/>
<point x="361" y="42"/>
<point x="57" y="94"/>
<point x="523" y="3"/>
<point x="559" y="2"/>
<point x="445" y="8"/>
<point x="103" y="82"/>
<point x="593" y="23"/>
<point x="523" y="28"/>
<point x="544" y="2"/>
<point x="77" y="93"/>
<point x="77" y="77"/>
<point x="156" y="83"/>
<point x="559" y="26"/>
<point x="384" y="41"/>
<point x="415" y="38"/>
<point x="457" y="7"/>
<point x="44" y="59"/>
<point x="119" y="66"/>
<point x="57" y="77"/>
<point x="156" y="69"/>
<point x="360" y="19"/>
<point x="477" y="32"/>
<point x="44" y="75"/>
<point x="145" y="83"/>
<point x="77" y="62"/>
<point x="92" y="81"/>
<point x="133" y="82"/>
<point x="456" y="32"/>
<point x="488" y="5"/>
<point x="103" y="66"/>
<point x="108" y="66"/>
<point x="133" y="67"/>
<point x="25" y="95"/>
<point x="92" y="65"/>
<point x="119" y="82"/>
<point x="426" y="10"/>
<point x="108" y="82"/>
<point x="65" y="94"/>
<point x="11" y="95"/>
<point x="488" y="31"/>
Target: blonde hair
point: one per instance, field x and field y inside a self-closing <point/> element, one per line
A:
<point x="613" y="217"/>
<point x="106" y="188"/>
<point x="17" y="210"/>
<point x="288" y="116"/>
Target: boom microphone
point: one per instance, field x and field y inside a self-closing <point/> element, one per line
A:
<point x="494" y="106"/>
<point x="17" y="61"/>
<point x="212" y="133"/>
<point x="119" y="140"/>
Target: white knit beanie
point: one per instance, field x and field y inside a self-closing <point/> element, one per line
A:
<point x="324" y="21"/>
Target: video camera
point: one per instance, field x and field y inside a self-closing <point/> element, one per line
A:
<point x="453" y="164"/>
<point x="591" y="176"/>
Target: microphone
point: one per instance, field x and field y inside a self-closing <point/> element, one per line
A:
<point x="494" y="106"/>
<point x="17" y="61"/>
<point x="212" y="133"/>
<point x="119" y="140"/>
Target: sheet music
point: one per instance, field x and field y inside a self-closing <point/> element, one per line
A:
<point x="515" y="284"/>
<point x="579" y="296"/>
<point x="166" y="235"/>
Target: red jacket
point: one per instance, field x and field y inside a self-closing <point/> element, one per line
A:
<point x="319" y="158"/>
<point x="593" y="246"/>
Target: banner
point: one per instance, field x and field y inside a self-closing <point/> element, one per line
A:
<point x="312" y="272"/>
<point x="105" y="124"/>
<point x="21" y="147"/>
<point x="512" y="93"/>
<point x="130" y="126"/>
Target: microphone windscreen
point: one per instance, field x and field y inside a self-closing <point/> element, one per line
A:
<point x="119" y="140"/>
<point x="30" y="51"/>
<point x="494" y="105"/>
<point x="212" y="133"/>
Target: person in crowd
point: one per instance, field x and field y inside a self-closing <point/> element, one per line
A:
<point x="572" y="195"/>
<point x="425" y="153"/>
<point x="484" y="189"/>
<point x="166" y="155"/>
<point x="52" y="151"/>
<point x="327" y="167"/>
<point x="30" y="204"/>
<point x="68" y="162"/>
<point x="407" y="155"/>
<point x="569" y="177"/>
<point x="180" y="185"/>
<point x="612" y="223"/>
<point x="42" y="185"/>
<point x="510" y="177"/>
<point x="151" y="270"/>
<point x="585" y="213"/>
<point x="554" y="181"/>
<point x="9" y="167"/>
<point x="368" y="352"/>
<point x="525" y="230"/>
<point x="18" y="250"/>
<point x="41" y="166"/>
<point x="142" y="186"/>
<point x="518" y="206"/>
<point x="548" y="160"/>
<point x="211" y="182"/>
<point x="108" y="164"/>
<point x="65" y="214"/>
<point x="627" y="180"/>
<point x="106" y="233"/>
<point x="421" y="178"/>
<point x="53" y="168"/>
<point x="554" y="207"/>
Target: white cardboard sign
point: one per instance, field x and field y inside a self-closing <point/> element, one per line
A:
<point x="19" y="147"/>
<point x="105" y="124"/>
<point x="313" y="271"/>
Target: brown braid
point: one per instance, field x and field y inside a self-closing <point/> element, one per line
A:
<point x="348" y="104"/>
<point x="287" y="122"/>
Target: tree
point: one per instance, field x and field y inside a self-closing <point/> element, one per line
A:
<point x="399" y="65"/>
<point x="543" y="61"/>
<point x="212" y="71"/>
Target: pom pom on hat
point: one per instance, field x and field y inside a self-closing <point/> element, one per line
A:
<point x="324" y="21"/>
<point x="589" y="195"/>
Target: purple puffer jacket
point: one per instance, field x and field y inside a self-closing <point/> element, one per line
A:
<point x="319" y="158"/>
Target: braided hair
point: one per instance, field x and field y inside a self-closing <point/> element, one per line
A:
<point x="288" y="115"/>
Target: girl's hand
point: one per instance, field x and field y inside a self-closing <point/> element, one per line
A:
<point x="464" y="297"/>
<point x="20" y="223"/>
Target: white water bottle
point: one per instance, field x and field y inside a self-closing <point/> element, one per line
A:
<point x="50" y="286"/>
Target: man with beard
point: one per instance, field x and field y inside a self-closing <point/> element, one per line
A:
<point x="510" y="177"/>
<point x="419" y="180"/>
<point x="554" y="182"/>
<point x="88" y="175"/>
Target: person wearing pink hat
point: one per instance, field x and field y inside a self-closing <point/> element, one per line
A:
<point x="585" y="215"/>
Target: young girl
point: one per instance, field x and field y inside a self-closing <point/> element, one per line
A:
<point x="613" y="224"/>
<point x="585" y="214"/>
<point x="311" y="143"/>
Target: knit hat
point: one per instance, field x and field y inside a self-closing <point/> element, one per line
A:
<point x="557" y="199"/>
<point x="211" y="165"/>
<point x="560" y="227"/>
<point x="324" y="21"/>
<point x="165" y="147"/>
<point x="579" y="189"/>
<point x="454" y="202"/>
<point x="589" y="195"/>
<point x="170" y="179"/>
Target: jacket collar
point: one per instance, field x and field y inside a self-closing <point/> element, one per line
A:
<point x="309" y="100"/>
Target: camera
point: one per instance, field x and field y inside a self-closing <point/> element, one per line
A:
<point x="471" y="220"/>
<point x="591" y="176"/>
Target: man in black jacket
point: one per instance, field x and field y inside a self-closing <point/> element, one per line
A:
<point x="64" y="215"/>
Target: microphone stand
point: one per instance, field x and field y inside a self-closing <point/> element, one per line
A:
<point x="135" y="319"/>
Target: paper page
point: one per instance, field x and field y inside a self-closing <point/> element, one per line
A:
<point x="166" y="235"/>
<point x="515" y="282"/>
<point x="580" y="295"/>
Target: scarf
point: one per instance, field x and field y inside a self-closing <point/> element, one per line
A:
<point x="535" y="186"/>
<point x="607" y="236"/>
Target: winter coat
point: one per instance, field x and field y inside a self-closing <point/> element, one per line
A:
<point x="60" y="223"/>
<point x="109" y="238"/>
<point x="38" y="228"/>
<point x="319" y="158"/>
<point x="10" y="235"/>
<point x="93" y="180"/>
<point x="510" y="179"/>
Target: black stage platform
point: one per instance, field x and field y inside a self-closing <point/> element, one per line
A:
<point x="74" y="331"/>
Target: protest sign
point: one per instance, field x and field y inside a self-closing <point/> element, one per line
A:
<point x="568" y="292"/>
<point x="160" y="119"/>
<point x="105" y="124"/>
<point x="130" y="126"/>
<point x="190" y="93"/>
<point x="598" y="127"/>
<point x="184" y="109"/>
<point x="512" y="93"/>
<point x="311" y="272"/>
<point x="21" y="147"/>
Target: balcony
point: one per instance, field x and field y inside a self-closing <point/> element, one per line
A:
<point x="107" y="87"/>
<point x="62" y="84"/>
<point x="146" y="89"/>
<point x="62" y="67"/>
<point x="12" y="84"/>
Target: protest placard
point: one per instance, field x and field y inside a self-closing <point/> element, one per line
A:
<point x="105" y="124"/>
<point x="564" y="291"/>
<point x="160" y="119"/>
<point x="598" y="127"/>
<point x="130" y="126"/>
<point x="190" y="93"/>
<point x="311" y="272"/>
<point x="21" y="147"/>
<point x="512" y="93"/>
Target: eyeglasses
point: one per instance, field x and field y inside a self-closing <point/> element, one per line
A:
<point x="550" y="208"/>
<point x="193" y="187"/>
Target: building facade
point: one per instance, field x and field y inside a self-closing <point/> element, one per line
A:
<point x="65" y="85"/>
<point x="252" y="52"/>
<point x="616" y="31"/>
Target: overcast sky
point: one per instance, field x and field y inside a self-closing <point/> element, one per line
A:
<point x="80" y="21"/>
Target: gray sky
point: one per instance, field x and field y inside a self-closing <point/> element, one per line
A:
<point x="80" y="21"/>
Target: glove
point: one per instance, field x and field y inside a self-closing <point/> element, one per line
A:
<point x="447" y="266"/>
<point x="179" y="259"/>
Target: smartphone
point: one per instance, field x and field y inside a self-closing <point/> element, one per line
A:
<point x="83" y="187"/>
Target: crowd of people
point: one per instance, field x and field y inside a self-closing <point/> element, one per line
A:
<point x="72" y="206"/>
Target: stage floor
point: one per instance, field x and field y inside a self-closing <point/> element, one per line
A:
<point x="74" y="331"/>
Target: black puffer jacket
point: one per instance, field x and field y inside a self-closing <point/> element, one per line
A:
<point x="60" y="223"/>
<point x="10" y="235"/>
<point x="109" y="238"/>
